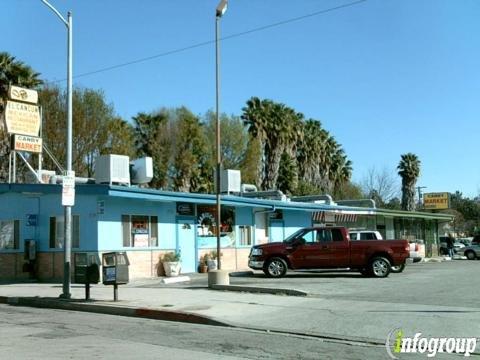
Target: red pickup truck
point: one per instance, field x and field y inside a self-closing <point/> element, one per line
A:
<point x="328" y="247"/>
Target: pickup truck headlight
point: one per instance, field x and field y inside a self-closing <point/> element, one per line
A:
<point x="257" y="251"/>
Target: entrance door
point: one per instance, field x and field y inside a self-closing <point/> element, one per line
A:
<point x="186" y="244"/>
<point x="276" y="231"/>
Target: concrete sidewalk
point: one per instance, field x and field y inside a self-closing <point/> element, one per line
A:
<point x="346" y="320"/>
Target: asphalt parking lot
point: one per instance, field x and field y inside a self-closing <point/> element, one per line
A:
<point x="449" y="283"/>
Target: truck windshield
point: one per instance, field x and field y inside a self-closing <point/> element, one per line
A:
<point x="295" y="235"/>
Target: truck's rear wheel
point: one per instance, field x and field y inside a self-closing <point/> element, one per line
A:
<point x="398" y="269"/>
<point x="275" y="267"/>
<point x="380" y="267"/>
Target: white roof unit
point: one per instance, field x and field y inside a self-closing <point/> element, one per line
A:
<point x="112" y="169"/>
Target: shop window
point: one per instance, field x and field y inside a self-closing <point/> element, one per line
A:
<point x="206" y="220"/>
<point x="57" y="232"/>
<point x="245" y="235"/>
<point x="9" y="234"/>
<point x="140" y="231"/>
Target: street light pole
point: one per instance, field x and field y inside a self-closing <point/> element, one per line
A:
<point x="220" y="11"/>
<point x="68" y="209"/>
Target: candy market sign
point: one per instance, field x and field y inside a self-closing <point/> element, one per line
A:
<point x="436" y="201"/>
<point x="27" y="143"/>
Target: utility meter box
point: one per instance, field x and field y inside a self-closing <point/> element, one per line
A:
<point x="115" y="268"/>
<point x="87" y="268"/>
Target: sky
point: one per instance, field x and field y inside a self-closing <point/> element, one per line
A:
<point x="385" y="77"/>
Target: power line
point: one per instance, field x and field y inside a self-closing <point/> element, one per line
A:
<point x="197" y="45"/>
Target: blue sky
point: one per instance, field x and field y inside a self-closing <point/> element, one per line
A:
<point x="385" y="77"/>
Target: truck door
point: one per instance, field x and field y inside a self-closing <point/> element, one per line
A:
<point x="339" y="249"/>
<point x="310" y="250"/>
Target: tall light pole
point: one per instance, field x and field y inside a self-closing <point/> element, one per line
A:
<point x="419" y="189"/>
<point x="68" y="209"/>
<point x="220" y="11"/>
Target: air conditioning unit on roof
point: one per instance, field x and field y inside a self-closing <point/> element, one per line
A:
<point x="112" y="169"/>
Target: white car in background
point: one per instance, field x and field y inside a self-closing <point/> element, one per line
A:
<point x="365" y="235"/>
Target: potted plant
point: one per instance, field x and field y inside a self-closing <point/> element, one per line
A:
<point x="171" y="263"/>
<point x="212" y="260"/>
<point x="203" y="265"/>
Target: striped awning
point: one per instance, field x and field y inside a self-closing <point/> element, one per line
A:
<point x="329" y="217"/>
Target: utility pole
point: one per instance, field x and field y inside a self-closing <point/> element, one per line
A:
<point x="419" y="189"/>
<point x="69" y="173"/>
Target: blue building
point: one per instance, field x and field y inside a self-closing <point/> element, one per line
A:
<point x="149" y="223"/>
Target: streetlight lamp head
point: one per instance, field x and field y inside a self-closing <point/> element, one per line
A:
<point x="222" y="8"/>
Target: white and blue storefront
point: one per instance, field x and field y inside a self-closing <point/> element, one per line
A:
<point x="145" y="224"/>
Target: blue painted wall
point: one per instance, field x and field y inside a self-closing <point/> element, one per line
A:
<point x="110" y="223"/>
<point x="16" y="206"/>
<point x="294" y="220"/>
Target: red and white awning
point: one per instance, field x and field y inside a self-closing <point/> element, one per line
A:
<point x="329" y="217"/>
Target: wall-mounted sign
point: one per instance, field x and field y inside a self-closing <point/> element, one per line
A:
<point x="185" y="209"/>
<point x="21" y="118"/>
<point x="436" y="201"/>
<point x="100" y="207"/>
<point x="31" y="144"/>
<point x="22" y="94"/>
<point x="32" y="219"/>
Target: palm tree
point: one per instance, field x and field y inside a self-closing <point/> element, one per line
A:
<point x="278" y="128"/>
<point x="15" y="72"/>
<point x="409" y="170"/>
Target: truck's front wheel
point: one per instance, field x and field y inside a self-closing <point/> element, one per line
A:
<point x="380" y="267"/>
<point x="275" y="267"/>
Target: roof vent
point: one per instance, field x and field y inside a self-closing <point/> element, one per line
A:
<point x="112" y="169"/>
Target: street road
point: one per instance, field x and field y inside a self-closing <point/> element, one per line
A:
<point x="29" y="333"/>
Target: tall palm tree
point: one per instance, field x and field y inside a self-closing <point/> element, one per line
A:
<point x="277" y="127"/>
<point x="409" y="170"/>
<point x="15" y="72"/>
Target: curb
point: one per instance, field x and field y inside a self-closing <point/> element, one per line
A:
<point x="241" y="273"/>
<point x="261" y="290"/>
<point x="77" y="305"/>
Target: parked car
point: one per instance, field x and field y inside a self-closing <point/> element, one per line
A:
<point x="472" y="252"/>
<point x="465" y="241"/>
<point x="365" y="235"/>
<point x="326" y="248"/>
<point x="458" y="247"/>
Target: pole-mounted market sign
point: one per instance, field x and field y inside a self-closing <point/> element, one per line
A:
<point x="30" y="144"/>
<point x="436" y="201"/>
<point x="21" y="94"/>
<point x="22" y="115"/>
<point x="21" y="118"/>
